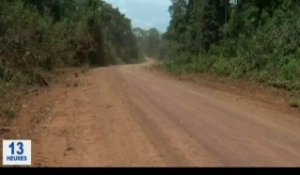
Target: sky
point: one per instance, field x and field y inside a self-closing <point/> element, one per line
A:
<point x="145" y="13"/>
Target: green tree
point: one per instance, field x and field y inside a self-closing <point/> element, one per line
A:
<point x="149" y="41"/>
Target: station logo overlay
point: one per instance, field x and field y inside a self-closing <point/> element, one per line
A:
<point x="16" y="152"/>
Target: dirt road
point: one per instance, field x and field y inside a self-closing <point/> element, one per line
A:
<point x="129" y="116"/>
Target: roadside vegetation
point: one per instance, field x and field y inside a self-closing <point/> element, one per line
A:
<point x="39" y="36"/>
<point x="256" y="40"/>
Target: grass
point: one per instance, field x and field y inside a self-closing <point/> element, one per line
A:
<point x="221" y="68"/>
<point x="85" y="68"/>
<point x="9" y="111"/>
<point x="295" y="102"/>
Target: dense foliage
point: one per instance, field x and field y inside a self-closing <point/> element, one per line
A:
<point x="56" y="32"/>
<point x="252" y="39"/>
<point x="37" y="36"/>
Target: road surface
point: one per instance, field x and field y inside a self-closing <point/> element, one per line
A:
<point x="130" y="116"/>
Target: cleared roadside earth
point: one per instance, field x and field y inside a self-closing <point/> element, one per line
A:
<point x="128" y="116"/>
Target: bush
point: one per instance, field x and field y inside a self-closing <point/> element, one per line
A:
<point x="295" y="102"/>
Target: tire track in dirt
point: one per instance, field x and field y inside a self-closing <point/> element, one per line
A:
<point x="127" y="116"/>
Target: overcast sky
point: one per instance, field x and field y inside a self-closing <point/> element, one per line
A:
<point x="145" y="13"/>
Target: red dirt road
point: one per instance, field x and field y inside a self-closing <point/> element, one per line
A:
<point x="129" y="116"/>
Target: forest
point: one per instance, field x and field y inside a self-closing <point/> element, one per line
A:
<point x="256" y="40"/>
<point x="39" y="36"/>
<point x="86" y="83"/>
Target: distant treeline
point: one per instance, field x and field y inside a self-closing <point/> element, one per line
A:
<point x="251" y="39"/>
<point x="149" y="41"/>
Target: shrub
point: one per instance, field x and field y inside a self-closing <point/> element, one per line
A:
<point x="295" y="103"/>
